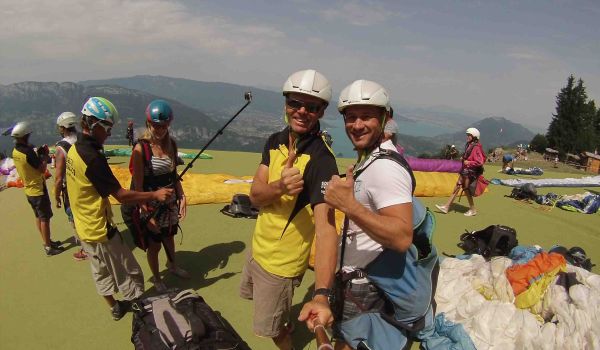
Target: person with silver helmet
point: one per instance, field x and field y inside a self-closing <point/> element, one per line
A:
<point x="376" y="198"/>
<point x="288" y="188"/>
<point x="89" y="183"/>
<point x="66" y="124"/>
<point x="31" y="166"/>
<point x="472" y="166"/>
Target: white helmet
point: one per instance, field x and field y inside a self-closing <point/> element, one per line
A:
<point x="21" y="129"/>
<point x="67" y="120"/>
<point x="473" y="132"/>
<point x="364" y="92"/>
<point x="308" y="82"/>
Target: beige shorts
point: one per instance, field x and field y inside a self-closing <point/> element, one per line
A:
<point x="272" y="297"/>
<point x="114" y="268"/>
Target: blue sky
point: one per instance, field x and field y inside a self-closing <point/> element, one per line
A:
<point x="487" y="58"/>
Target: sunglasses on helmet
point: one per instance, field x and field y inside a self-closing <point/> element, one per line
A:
<point x="310" y="107"/>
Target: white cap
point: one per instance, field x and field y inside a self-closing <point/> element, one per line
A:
<point x="21" y="129"/>
<point x="308" y="82"/>
<point x="364" y="92"/>
<point x="67" y="120"/>
<point x="473" y="132"/>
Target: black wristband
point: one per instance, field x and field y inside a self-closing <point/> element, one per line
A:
<point x="322" y="291"/>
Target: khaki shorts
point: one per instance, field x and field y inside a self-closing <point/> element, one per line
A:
<point x="272" y="297"/>
<point x="114" y="268"/>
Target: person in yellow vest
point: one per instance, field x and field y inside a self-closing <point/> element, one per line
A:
<point x="89" y="183"/>
<point x="66" y="124"/>
<point x="31" y="167"/>
<point x="288" y="187"/>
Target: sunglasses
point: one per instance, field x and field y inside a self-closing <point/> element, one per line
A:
<point x="159" y="125"/>
<point x="107" y="127"/>
<point x="310" y="107"/>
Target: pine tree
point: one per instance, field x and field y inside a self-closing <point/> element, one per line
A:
<point x="572" y="127"/>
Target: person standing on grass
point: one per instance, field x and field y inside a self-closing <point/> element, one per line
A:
<point x="380" y="240"/>
<point x="89" y="183"/>
<point x="66" y="124"/>
<point x="288" y="187"/>
<point x="472" y="166"/>
<point x="154" y="160"/>
<point x="31" y="166"/>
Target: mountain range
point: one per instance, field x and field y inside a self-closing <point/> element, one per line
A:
<point x="201" y="108"/>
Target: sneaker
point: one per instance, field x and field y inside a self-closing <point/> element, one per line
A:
<point x="120" y="308"/>
<point x="55" y="244"/>
<point x="53" y="251"/>
<point x="178" y="271"/>
<point x="160" y="286"/>
<point x="442" y="208"/>
<point x="80" y="255"/>
<point x="471" y="212"/>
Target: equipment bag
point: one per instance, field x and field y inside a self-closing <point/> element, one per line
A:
<point x="494" y="240"/>
<point x="477" y="187"/>
<point x="181" y="320"/>
<point x="240" y="207"/>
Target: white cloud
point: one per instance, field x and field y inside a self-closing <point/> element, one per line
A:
<point x="123" y="30"/>
<point x="357" y="13"/>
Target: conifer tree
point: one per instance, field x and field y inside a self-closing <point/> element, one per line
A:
<point x="572" y="127"/>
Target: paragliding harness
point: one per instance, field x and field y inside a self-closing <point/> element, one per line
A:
<point x="575" y="256"/>
<point x="136" y="221"/>
<point x="525" y="192"/>
<point x="478" y="183"/>
<point x="406" y="281"/>
<point x="181" y="320"/>
<point x="240" y="207"/>
<point x="494" y="240"/>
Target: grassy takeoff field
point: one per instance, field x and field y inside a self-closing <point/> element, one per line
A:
<point x="51" y="302"/>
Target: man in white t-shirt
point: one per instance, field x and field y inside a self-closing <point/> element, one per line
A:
<point x="376" y="198"/>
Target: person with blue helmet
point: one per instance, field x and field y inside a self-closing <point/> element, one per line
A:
<point x="89" y="183"/>
<point x="154" y="160"/>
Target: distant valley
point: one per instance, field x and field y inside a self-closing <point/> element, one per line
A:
<point x="201" y="108"/>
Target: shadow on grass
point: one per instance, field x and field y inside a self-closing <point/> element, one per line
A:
<point x="301" y="336"/>
<point x="200" y="264"/>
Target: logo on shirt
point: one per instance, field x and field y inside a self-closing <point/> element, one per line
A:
<point x="324" y="185"/>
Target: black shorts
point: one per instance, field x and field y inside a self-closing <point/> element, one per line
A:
<point x="159" y="237"/>
<point x="41" y="206"/>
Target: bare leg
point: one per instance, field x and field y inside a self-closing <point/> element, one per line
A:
<point x="44" y="228"/>
<point x="468" y="193"/>
<point x="152" y="257"/>
<point x="110" y="300"/>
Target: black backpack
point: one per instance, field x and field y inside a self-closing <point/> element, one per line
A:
<point x="240" y="207"/>
<point x="527" y="191"/>
<point x="494" y="240"/>
<point x="181" y="320"/>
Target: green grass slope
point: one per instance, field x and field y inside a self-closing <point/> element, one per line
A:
<point x="51" y="303"/>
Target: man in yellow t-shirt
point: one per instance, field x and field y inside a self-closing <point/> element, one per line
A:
<point x="31" y="167"/>
<point x="288" y="187"/>
<point x="89" y="183"/>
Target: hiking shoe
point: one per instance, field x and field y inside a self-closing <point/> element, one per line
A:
<point x="471" y="212"/>
<point x="80" y="255"/>
<point x="444" y="209"/>
<point x="120" y="308"/>
<point x="53" y="251"/>
<point x="178" y="271"/>
<point x="55" y="244"/>
<point x="160" y="286"/>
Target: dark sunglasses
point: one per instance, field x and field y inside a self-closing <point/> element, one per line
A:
<point x="310" y="107"/>
<point x="106" y="126"/>
<point x="159" y="125"/>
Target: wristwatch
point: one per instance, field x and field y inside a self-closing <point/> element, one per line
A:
<point x="322" y="291"/>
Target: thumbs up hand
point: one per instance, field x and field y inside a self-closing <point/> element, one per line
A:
<point x="291" y="180"/>
<point x="339" y="193"/>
